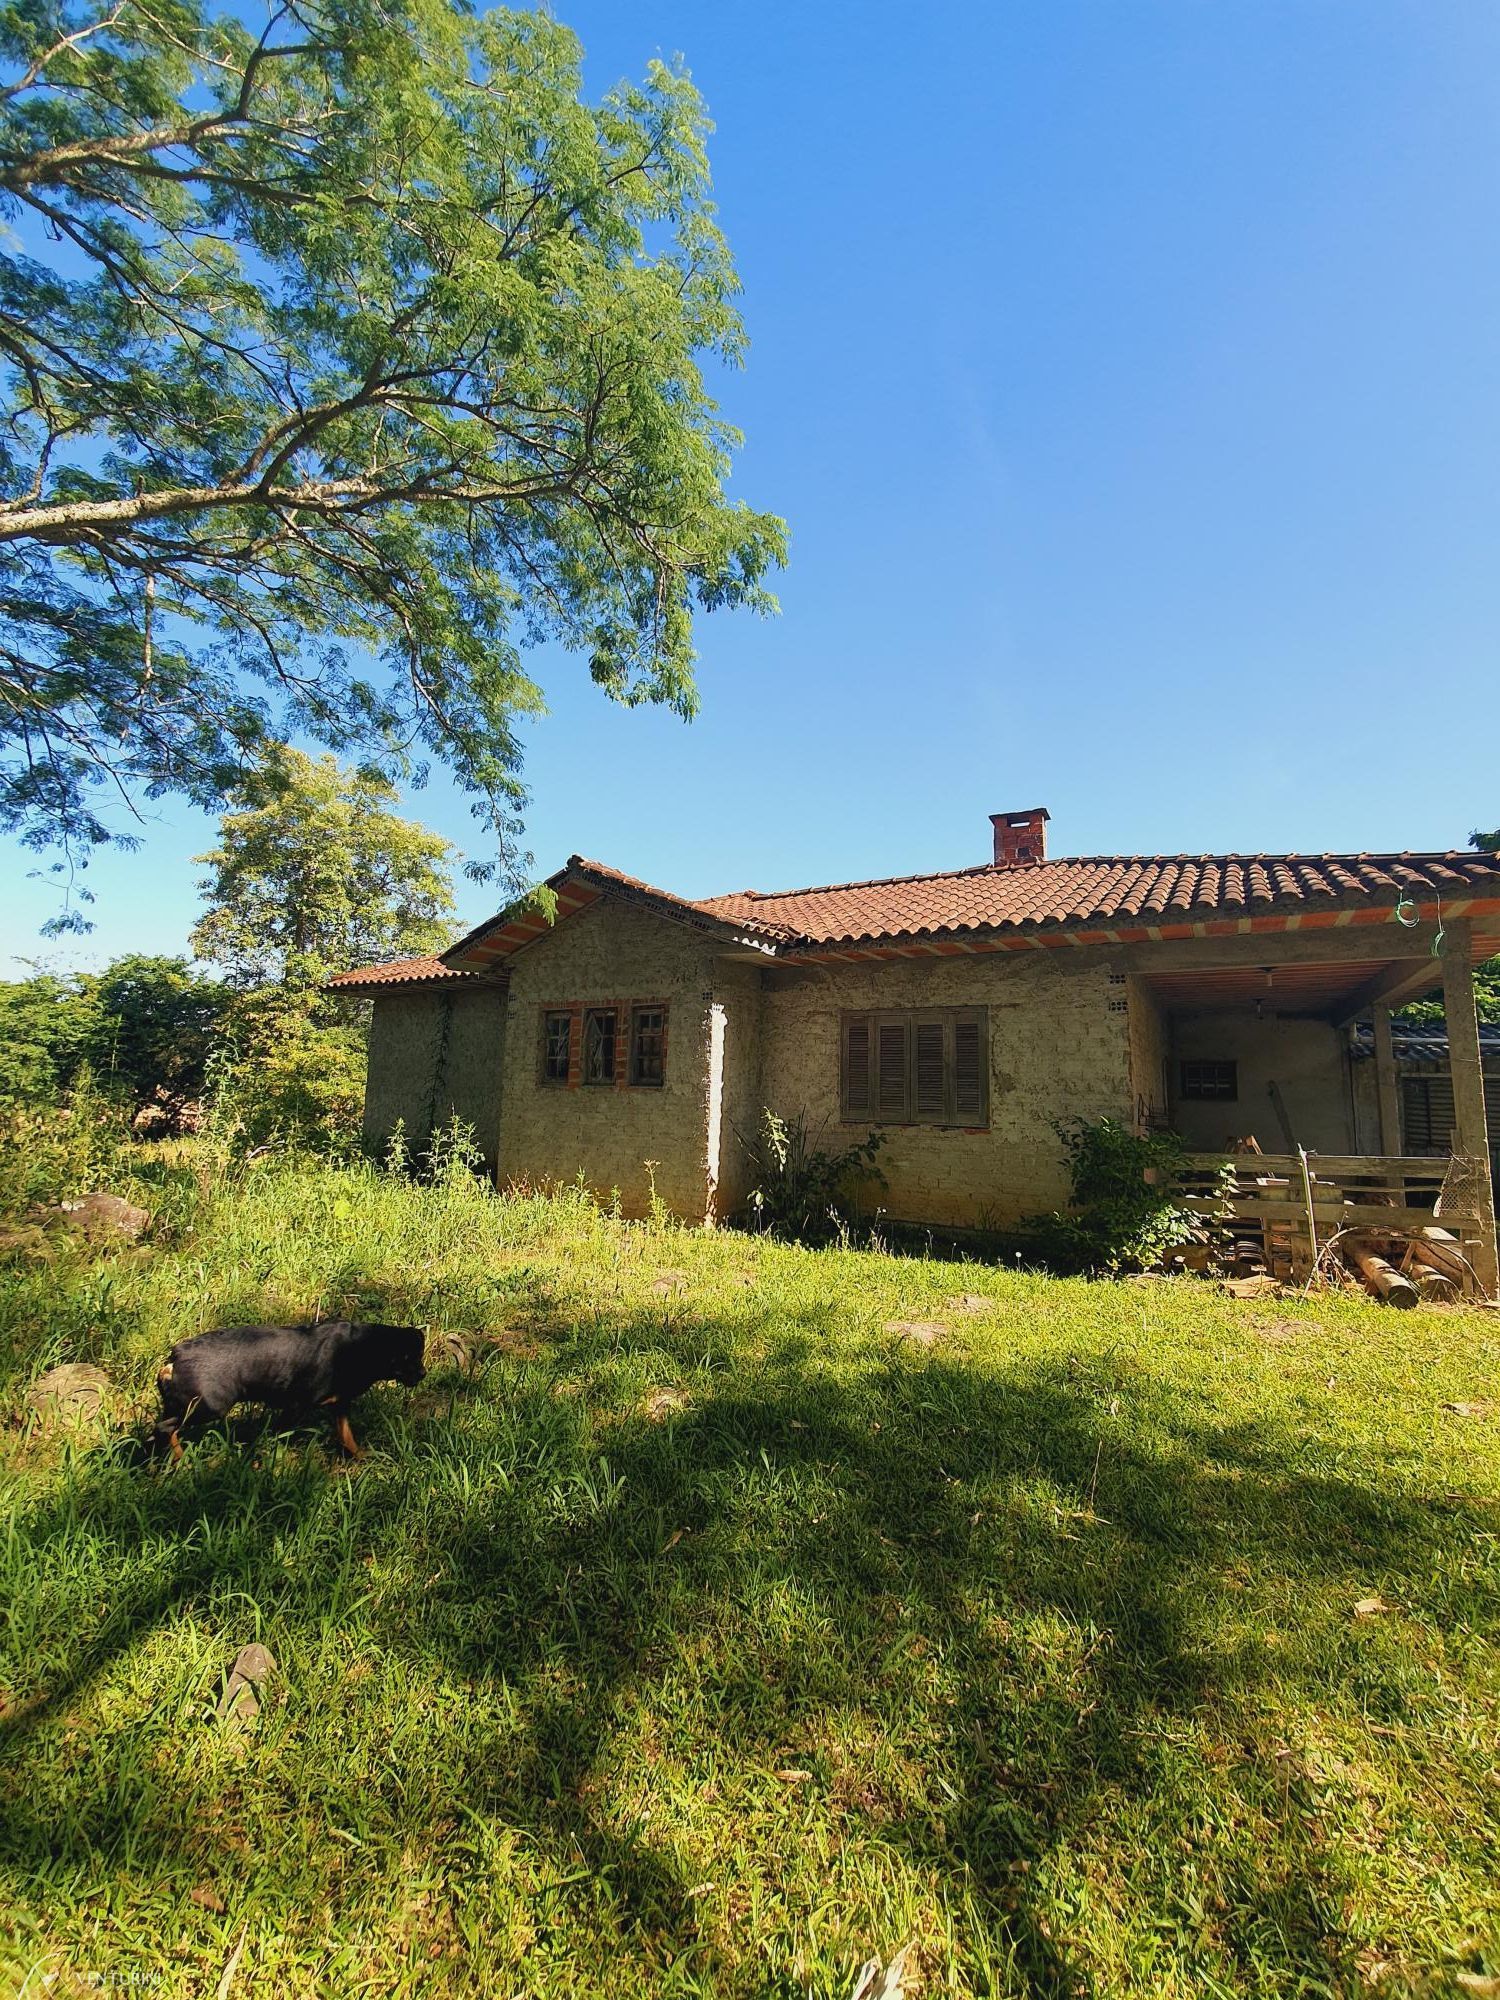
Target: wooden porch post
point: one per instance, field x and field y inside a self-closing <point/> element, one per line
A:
<point x="1470" y="1135"/>
<point x="1385" y="1084"/>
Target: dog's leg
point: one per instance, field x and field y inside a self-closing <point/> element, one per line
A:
<point x="174" y="1439"/>
<point x="345" y="1435"/>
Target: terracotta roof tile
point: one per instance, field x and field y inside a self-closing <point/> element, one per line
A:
<point x="1105" y="889"/>
<point x="1088" y="891"/>
<point x="399" y="972"/>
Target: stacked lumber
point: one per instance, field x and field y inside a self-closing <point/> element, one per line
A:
<point x="1431" y="1267"/>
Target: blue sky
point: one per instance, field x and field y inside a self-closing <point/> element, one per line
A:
<point x="1128" y="372"/>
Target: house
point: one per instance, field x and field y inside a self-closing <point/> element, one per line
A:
<point x="634" y="1035"/>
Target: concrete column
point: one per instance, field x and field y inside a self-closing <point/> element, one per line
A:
<point x="1470" y="1134"/>
<point x="1386" y="1092"/>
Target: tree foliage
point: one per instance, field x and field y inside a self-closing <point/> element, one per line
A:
<point x="314" y="873"/>
<point x="143" y="1027"/>
<point x="1486" y="976"/>
<point x="343" y="352"/>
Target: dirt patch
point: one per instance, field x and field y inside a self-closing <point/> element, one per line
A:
<point x="664" y="1403"/>
<point x="1281" y="1332"/>
<point x="920" y="1332"/>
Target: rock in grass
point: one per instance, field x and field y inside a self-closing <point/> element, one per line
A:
<point x="240" y="1702"/>
<point x="72" y="1392"/>
<point x="102" y="1218"/>
<point x="24" y="1239"/>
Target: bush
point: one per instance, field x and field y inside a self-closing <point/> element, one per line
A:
<point x="802" y="1191"/>
<point x="1125" y="1213"/>
<point x="52" y="1152"/>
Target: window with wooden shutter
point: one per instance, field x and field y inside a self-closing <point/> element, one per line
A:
<point x="1427" y="1113"/>
<point x="855" y="1092"/>
<point x="930" y="1071"/>
<point x="971" y="1098"/>
<point x="892" y="1094"/>
<point x="927" y="1066"/>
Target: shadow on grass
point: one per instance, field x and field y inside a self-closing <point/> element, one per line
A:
<point x="922" y="1509"/>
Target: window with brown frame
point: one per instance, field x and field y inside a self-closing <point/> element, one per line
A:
<point x="648" y="1046"/>
<point x="599" y="1045"/>
<point x="557" y="1046"/>
<point x="1202" y="1082"/>
<point x="916" y="1066"/>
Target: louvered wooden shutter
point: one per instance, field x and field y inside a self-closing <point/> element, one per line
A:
<point x="1427" y="1112"/>
<point x="969" y="1061"/>
<point x="856" y="1090"/>
<point x="930" y="1069"/>
<point x="891" y="1095"/>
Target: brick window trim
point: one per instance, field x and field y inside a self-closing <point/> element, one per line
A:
<point x="578" y="1012"/>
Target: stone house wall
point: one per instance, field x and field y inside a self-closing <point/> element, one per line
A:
<point x="436" y="1055"/>
<point x="1150" y="1089"/>
<point x="613" y="954"/>
<point x="1059" y="1049"/>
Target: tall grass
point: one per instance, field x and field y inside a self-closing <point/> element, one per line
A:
<point x="720" y="1613"/>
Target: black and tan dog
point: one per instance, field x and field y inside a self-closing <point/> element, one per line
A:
<point x="293" y="1370"/>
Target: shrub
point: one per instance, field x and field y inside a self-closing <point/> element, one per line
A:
<point x="1125" y="1213"/>
<point x="51" y="1152"/>
<point x="802" y="1190"/>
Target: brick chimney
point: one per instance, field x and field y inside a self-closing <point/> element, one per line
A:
<point x="1020" y="838"/>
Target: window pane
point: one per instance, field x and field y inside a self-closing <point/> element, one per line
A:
<point x="556" y="1047"/>
<point x="1209" y="1082"/>
<point x="648" y="1049"/>
<point x="599" y="1046"/>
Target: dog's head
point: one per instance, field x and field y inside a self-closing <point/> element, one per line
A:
<point x="399" y="1349"/>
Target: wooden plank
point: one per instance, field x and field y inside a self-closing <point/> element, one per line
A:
<point x="1294" y="1212"/>
<point x="1342" y="1214"/>
<point x="1420" y="1166"/>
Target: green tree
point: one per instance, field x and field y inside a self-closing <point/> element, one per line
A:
<point x="143" y="1025"/>
<point x="160" y="1023"/>
<point x="314" y="872"/>
<point x="368" y="352"/>
<point x="49" y="1025"/>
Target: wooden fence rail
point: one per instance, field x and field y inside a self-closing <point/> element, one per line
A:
<point x="1248" y="1197"/>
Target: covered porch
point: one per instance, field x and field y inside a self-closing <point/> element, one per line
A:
<point x="1260" y="1048"/>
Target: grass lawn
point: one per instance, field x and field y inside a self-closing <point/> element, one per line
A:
<point x="706" y="1633"/>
